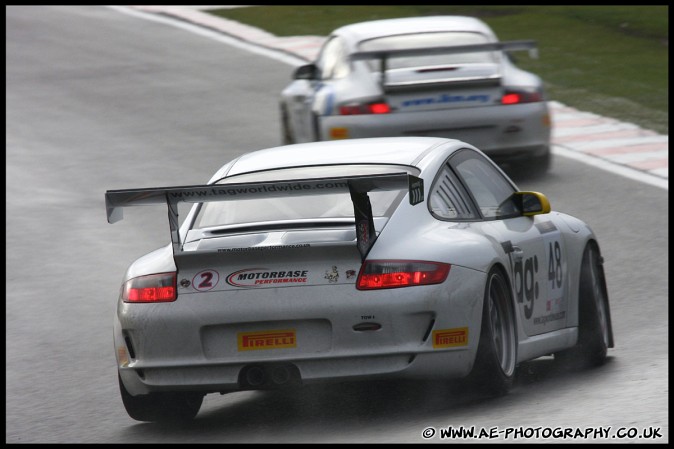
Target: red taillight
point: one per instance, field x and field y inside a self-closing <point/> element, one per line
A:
<point x="370" y="108"/>
<point x="152" y="288"/>
<point x="517" y="96"/>
<point x="377" y="274"/>
<point x="510" y="99"/>
<point x="379" y="108"/>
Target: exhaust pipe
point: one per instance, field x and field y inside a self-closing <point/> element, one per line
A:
<point x="255" y="376"/>
<point x="280" y="375"/>
<point x="268" y="376"/>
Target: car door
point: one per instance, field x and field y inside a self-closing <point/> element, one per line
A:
<point x="535" y="249"/>
<point x="310" y="94"/>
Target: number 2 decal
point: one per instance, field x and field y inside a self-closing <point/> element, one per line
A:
<point x="205" y="280"/>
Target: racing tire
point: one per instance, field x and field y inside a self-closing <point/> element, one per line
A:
<point x="541" y="164"/>
<point x="287" y="136"/>
<point x="496" y="360"/>
<point x="594" y="322"/>
<point x="163" y="407"/>
<point x="532" y="166"/>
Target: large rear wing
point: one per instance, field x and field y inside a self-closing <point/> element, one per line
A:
<point x="357" y="186"/>
<point x="384" y="55"/>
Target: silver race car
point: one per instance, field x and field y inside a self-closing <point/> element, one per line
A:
<point x="442" y="76"/>
<point x="412" y="257"/>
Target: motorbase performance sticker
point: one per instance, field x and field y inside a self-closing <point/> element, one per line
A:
<point x="450" y="338"/>
<point x="275" y="339"/>
<point x="258" y="277"/>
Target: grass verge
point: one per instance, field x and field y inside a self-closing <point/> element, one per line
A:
<point x="609" y="60"/>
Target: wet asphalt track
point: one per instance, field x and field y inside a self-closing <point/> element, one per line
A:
<point x="99" y="100"/>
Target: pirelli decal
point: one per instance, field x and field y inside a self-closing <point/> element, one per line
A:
<point x="276" y="339"/>
<point x="450" y="338"/>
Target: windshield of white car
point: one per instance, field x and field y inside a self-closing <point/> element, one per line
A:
<point x="429" y="40"/>
<point x="317" y="207"/>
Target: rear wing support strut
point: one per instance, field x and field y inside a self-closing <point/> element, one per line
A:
<point x="365" y="231"/>
<point x="357" y="186"/>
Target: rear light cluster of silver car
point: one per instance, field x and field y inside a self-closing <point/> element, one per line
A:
<point x="374" y="274"/>
<point x="521" y="95"/>
<point x="379" y="274"/>
<point x="366" y="108"/>
<point x="160" y="287"/>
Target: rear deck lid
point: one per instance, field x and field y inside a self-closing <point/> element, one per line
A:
<point x="437" y="70"/>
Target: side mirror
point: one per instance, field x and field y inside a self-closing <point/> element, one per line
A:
<point x="306" y="72"/>
<point x="532" y="203"/>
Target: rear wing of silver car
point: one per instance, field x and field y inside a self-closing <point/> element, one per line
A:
<point x="357" y="186"/>
<point x="385" y="55"/>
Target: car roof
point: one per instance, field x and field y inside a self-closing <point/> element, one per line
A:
<point x="381" y="150"/>
<point x="357" y="32"/>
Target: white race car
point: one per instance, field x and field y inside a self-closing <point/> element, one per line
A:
<point x="328" y="261"/>
<point x="442" y="76"/>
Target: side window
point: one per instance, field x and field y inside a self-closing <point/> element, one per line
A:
<point x="332" y="61"/>
<point x="448" y="200"/>
<point x="492" y="192"/>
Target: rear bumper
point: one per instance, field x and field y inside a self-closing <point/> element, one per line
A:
<point x="229" y="378"/>
<point x="192" y="344"/>
<point x="496" y="130"/>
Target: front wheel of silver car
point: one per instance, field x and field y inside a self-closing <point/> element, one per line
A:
<point x="287" y="136"/>
<point x="166" y="407"/>
<point x="496" y="359"/>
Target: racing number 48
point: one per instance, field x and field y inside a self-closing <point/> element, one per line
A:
<point x="555" y="264"/>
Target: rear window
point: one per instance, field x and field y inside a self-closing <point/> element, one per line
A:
<point x="426" y="40"/>
<point x="299" y="207"/>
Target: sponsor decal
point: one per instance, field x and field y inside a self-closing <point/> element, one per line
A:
<point x="363" y="231"/>
<point x="350" y="274"/>
<point x="450" y="338"/>
<point x="275" y="339"/>
<point x="259" y="277"/>
<point x="547" y="318"/>
<point x="446" y="98"/>
<point x="262" y="248"/>
<point x="554" y="305"/>
<point x="332" y="276"/>
<point x="255" y="190"/>
<point x="339" y="133"/>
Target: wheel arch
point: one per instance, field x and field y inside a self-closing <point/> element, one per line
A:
<point x="593" y="243"/>
<point x="495" y="364"/>
<point x="513" y="307"/>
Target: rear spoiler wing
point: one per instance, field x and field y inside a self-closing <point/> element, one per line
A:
<point x="385" y="55"/>
<point x="357" y="186"/>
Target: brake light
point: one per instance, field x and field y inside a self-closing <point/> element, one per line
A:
<point x="518" y="96"/>
<point x="160" y="287"/>
<point x="369" y="108"/>
<point x="379" y="108"/>
<point x="378" y="274"/>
